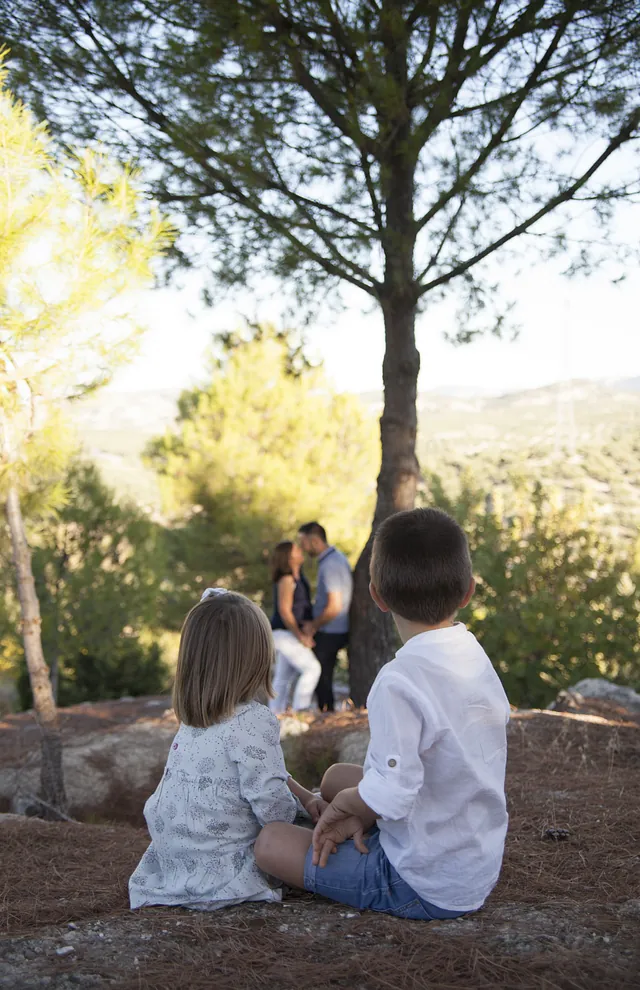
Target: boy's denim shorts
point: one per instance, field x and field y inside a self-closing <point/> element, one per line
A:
<point x="369" y="882"/>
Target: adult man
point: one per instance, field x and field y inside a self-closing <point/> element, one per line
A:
<point x="330" y="624"/>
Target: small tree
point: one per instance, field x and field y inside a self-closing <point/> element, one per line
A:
<point x="74" y="240"/>
<point x="98" y="565"/>
<point x="263" y="447"/>
<point x="391" y="145"/>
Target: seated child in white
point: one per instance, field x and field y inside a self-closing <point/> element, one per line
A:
<point x="225" y="775"/>
<point x="431" y="793"/>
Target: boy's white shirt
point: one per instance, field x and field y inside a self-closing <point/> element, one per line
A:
<point x="435" y="767"/>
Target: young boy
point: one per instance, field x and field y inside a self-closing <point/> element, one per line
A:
<point x="431" y="792"/>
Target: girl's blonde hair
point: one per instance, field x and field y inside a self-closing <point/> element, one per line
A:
<point x="225" y="659"/>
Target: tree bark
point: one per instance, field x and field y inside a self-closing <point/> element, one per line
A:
<point x="54" y="678"/>
<point x="51" y="773"/>
<point x="373" y="637"/>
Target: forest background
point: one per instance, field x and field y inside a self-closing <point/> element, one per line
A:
<point x="168" y="492"/>
<point x="263" y="441"/>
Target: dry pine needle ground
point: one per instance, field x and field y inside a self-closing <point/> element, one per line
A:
<point x="565" y="915"/>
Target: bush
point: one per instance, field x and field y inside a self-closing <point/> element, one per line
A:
<point x="555" y="600"/>
<point x="132" y="670"/>
<point x="98" y="565"/>
<point x="262" y="447"/>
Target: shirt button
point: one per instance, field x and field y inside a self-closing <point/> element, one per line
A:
<point x="391" y="763"/>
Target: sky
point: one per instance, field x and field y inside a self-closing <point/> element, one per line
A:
<point x="569" y="328"/>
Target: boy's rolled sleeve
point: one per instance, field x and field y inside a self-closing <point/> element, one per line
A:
<point x="394" y="771"/>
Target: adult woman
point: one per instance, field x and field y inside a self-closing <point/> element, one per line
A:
<point x="295" y="660"/>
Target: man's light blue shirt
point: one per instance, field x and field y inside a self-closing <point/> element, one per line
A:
<point x="334" y="575"/>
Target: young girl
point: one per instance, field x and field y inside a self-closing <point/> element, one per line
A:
<point x="225" y="775"/>
<point x="295" y="661"/>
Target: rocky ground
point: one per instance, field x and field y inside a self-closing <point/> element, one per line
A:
<point x="564" y="916"/>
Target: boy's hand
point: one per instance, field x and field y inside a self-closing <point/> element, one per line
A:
<point x="334" y="828"/>
<point x="315" y="807"/>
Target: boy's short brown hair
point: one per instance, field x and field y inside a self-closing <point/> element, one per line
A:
<point x="225" y="658"/>
<point x="421" y="566"/>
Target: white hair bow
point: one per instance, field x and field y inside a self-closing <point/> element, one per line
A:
<point x="213" y="593"/>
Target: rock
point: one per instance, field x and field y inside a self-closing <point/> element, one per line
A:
<point x="291" y="731"/>
<point x="99" y="765"/>
<point x="353" y="747"/>
<point x="556" y="834"/>
<point x="630" y="909"/>
<point x="291" y="726"/>
<point x="8" y="697"/>
<point x="599" y="687"/>
<point x="24" y="806"/>
<point x="96" y="764"/>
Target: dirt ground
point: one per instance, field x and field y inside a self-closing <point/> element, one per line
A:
<point x="564" y="916"/>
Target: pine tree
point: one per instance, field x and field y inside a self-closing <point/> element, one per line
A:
<point x="260" y="448"/>
<point x="75" y="238"/>
<point x="391" y="145"/>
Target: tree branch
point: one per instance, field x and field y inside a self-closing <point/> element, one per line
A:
<point x="317" y="229"/>
<point x="287" y="29"/>
<point x="447" y="87"/>
<point x="203" y="155"/>
<point x="441" y="108"/>
<point x="443" y="240"/>
<point x="463" y="180"/>
<point x="625" y="134"/>
<point x="431" y="41"/>
<point x="373" y="196"/>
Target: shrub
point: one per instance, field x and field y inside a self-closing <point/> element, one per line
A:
<point x="555" y="600"/>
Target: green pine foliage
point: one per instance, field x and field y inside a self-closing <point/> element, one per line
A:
<point x="264" y="446"/>
<point x="98" y="565"/>
<point x="77" y="241"/>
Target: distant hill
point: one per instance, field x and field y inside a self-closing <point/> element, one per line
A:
<point x="114" y="428"/>
<point x="145" y="412"/>
<point x="581" y="438"/>
<point x="629" y="384"/>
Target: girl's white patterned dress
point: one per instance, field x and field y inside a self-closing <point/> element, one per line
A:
<point x="220" y="785"/>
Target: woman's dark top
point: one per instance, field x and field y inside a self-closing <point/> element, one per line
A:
<point x="301" y="608"/>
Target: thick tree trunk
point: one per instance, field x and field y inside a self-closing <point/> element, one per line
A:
<point x="54" y="677"/>
<point x="51" y="775"/>
<point x="373" y="639"/>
